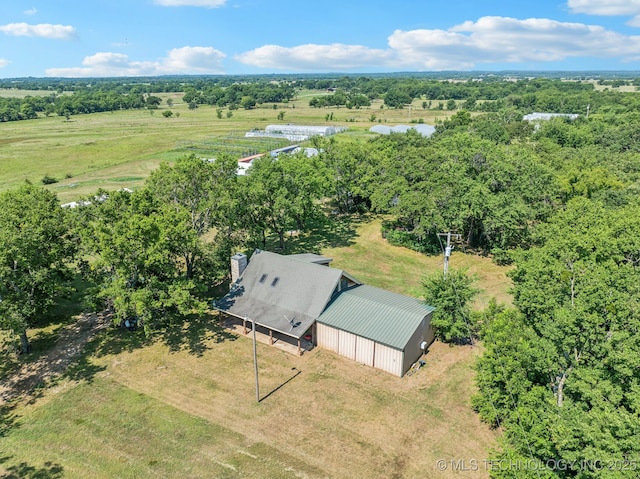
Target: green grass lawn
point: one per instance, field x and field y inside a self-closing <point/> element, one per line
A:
<point x="162" y="411"/>
<point x="103" y="429"/>
<point x="356" y="245"/>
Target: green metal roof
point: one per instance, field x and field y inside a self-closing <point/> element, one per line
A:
<point x="376" y="314"/>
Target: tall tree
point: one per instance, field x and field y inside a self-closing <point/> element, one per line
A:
<point x="561" y="374"/>
<point x="35" y="248"/>
<point x="281" y="194"/>
<point x="139" y="265"/>
<point x="206" y="192"/>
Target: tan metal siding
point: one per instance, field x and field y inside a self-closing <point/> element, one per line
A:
<point x="412" y="350"/>
<point x="328" y="337"/>
<point x="347" y="345"/>
<point x="388" y="359"/>
<point x="364" y="351"/>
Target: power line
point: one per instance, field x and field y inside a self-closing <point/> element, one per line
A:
<point x="255" y="357"/>
<point x="448" y="249"/>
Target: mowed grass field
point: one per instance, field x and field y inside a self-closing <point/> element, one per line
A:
<point x="183" y="405"/>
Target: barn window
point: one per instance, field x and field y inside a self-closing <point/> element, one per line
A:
<point x="275" y="281"/>
<point x="263" y="278"/>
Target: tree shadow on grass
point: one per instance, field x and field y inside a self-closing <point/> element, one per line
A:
<point x="197" y="334"/>
<point x="49" y="470"/>
<point x="327" y="232"/>
<point x="23" y="470"/>
<point x="82" y="369"/>
<point x="8" y="419"/>
<point x="115" y="340"/>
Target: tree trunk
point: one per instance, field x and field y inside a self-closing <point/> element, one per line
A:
<point x="189" y="261"/>
<point x="560" y="391"/>
<point x="470" y="236"/>
<point x="25" y="347"/>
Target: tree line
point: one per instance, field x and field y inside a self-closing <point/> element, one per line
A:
<point x="485" y="94"/>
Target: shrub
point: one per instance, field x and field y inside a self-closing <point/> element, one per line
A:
<point x="48" y="180"/>
<point x="397" y="235"/>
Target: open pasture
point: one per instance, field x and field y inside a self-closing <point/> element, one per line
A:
<point x="118" y="149"/>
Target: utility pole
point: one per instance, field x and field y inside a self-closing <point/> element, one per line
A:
<point x="448" y="249"/>
<point x="255" y="358"/>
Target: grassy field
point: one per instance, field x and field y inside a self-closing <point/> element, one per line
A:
<point x="183" y="405"/>
<point x="119" y="149"/>
<point x="162" y="411"/>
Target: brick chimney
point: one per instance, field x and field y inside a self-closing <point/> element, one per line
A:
<point x="238" y="264"/>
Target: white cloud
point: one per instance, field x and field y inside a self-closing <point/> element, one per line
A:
<point x="185" y="60"/>
<point x="498" y="40"/>
<point x="315" y="57"/>
<point x="609" y="8"/>
<point x="3" y="62"/>
<point x="44" y="30"/>
<point x="605" y="7"/>
<point x="510" y="40"/>
<point x="191" y="3"/>
<point x="31" y="11"/>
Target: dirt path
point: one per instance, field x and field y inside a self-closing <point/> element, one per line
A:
<point x="69" y="345"/>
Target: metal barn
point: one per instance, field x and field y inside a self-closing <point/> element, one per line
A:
<point x="376" y="327"/>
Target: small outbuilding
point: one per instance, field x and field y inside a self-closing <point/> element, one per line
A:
<point x="376" y="327"/>
<point x="548" y="116"/>
<point x="295" y="132"/>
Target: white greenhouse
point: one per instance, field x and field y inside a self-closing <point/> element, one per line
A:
<point x="294" y="132"/>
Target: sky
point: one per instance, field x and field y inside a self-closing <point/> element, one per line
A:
<point x="111" y="38"/>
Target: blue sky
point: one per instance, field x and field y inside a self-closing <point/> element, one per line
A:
<point x="98" y="38"/>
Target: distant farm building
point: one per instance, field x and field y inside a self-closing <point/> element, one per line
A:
<point x="294" y="132"/>
<point x="246" y="162"/>
<point x="548" y="116"/>
<point x="299" y="298"/>
<point x="424" y="130"/>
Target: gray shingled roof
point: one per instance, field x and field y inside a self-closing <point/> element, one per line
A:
<point x="274" y="286"/>
<point x="376" y="314"/>
<point x="311" y="258"/>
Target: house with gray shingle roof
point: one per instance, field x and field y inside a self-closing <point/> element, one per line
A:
<point x="300" y="296"/>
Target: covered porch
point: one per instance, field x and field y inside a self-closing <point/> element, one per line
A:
<point x="292" y="344"/>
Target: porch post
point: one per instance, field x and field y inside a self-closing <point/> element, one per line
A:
<point x="271" y="337"/>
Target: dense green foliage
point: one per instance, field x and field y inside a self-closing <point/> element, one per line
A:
<point x="560" y="374"/>
<point x="152" y="264"/>
<point x="451" y="295"/>
<point x="35" y="247"/>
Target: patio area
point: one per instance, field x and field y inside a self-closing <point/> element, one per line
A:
<point x="267" y="336"/>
